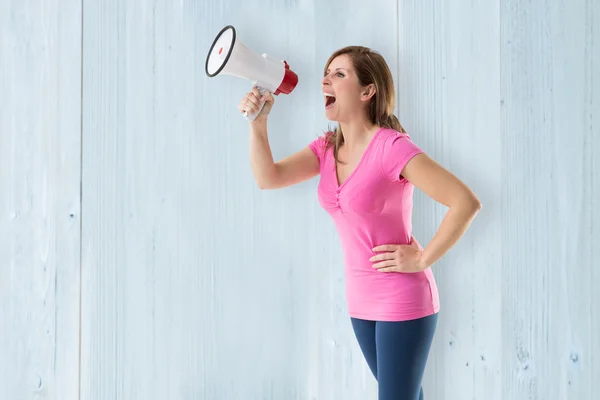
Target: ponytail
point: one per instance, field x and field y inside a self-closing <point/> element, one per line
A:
<point x="391" y="121"/>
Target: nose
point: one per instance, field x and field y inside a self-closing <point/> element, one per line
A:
<point x="325" y="80"/>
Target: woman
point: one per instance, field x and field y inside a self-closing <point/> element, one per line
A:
<point x="368" y="168"/>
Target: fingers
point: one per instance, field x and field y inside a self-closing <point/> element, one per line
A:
<point x="395" y="258"/>
<point x="386" y="247"/>
<point x="384" y="264"/>
<point x="389" y="269"/>
<point x="383" y="256"/>
<point x="251" y="102"/>
<point x="256" y="92"/>
<point x="247" y="105"/>
<point x="268" y="97"/>
<point x="243" y="106"/>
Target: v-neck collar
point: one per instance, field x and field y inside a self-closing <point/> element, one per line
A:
<point x="339" y="185"/>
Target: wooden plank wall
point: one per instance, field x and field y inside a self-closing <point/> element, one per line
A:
<point x="550" y="197"/>
<point x="140" y="260"/>
<point x="40" y="179"/>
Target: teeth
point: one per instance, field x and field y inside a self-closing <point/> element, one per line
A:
<point x="329" y="95"/>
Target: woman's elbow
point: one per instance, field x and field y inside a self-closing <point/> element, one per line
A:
<point x="466" y="201"/>
<point x="266" y="184"/>
<point x="473" y="203"/>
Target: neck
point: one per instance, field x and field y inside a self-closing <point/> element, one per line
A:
<point x="357" y="132"/>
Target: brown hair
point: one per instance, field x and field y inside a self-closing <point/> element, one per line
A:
<point x="371" y="68"/>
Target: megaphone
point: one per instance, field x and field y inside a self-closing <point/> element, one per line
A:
<point x="229" y="56"/>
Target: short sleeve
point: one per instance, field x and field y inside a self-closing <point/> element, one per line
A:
<point x="318" y="147"/>
<point x="398" y="149"/>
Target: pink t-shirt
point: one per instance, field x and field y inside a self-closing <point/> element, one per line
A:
<point x="373" y="206"/>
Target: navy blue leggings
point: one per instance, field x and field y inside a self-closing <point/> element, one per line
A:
<point x="396" y="353"/>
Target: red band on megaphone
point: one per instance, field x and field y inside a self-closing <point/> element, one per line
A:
<point x="289" y="82"/>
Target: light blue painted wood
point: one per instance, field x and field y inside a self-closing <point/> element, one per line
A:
<point x="550" y="194"/>
<point x="197" y="285"/>
<point x="40" y="113"/>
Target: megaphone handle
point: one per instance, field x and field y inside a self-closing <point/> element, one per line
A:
<point x="251" y="117"/>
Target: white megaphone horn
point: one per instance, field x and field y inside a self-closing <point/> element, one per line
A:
<point x="229" y="56"/>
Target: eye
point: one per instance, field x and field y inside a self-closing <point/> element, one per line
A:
<point x="340" y="74"/>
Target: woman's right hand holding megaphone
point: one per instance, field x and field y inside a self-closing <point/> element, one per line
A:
<point x="251" y="103"/>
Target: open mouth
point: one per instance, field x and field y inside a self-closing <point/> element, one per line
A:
<point x="329" y="100"/>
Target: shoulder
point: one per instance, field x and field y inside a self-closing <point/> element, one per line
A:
<point x="396" y="150"/>
<point x="389" y="136"/>
<point x="319" y="144"/>
<point x="391" y="140"/>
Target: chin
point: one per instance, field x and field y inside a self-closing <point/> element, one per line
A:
<point x="331" y="115"/>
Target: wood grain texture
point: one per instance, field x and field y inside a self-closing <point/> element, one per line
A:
<point x="40" y="112"/>
<point x="195" y="284"/>
<point x="550" y="179"/>
<point x="449" y="93"/>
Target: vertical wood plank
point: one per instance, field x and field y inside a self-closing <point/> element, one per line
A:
<point x="449" y="94"/>
<point x="550" y="135"/>
<point x="40" y="60"/>
<point x="118" y="237"/>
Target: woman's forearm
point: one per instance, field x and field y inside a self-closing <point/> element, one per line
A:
<point x="261" y="157"/>
<point x="453" y="226"/>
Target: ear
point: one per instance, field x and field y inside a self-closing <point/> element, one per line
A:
<point x="368" y="92"/>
